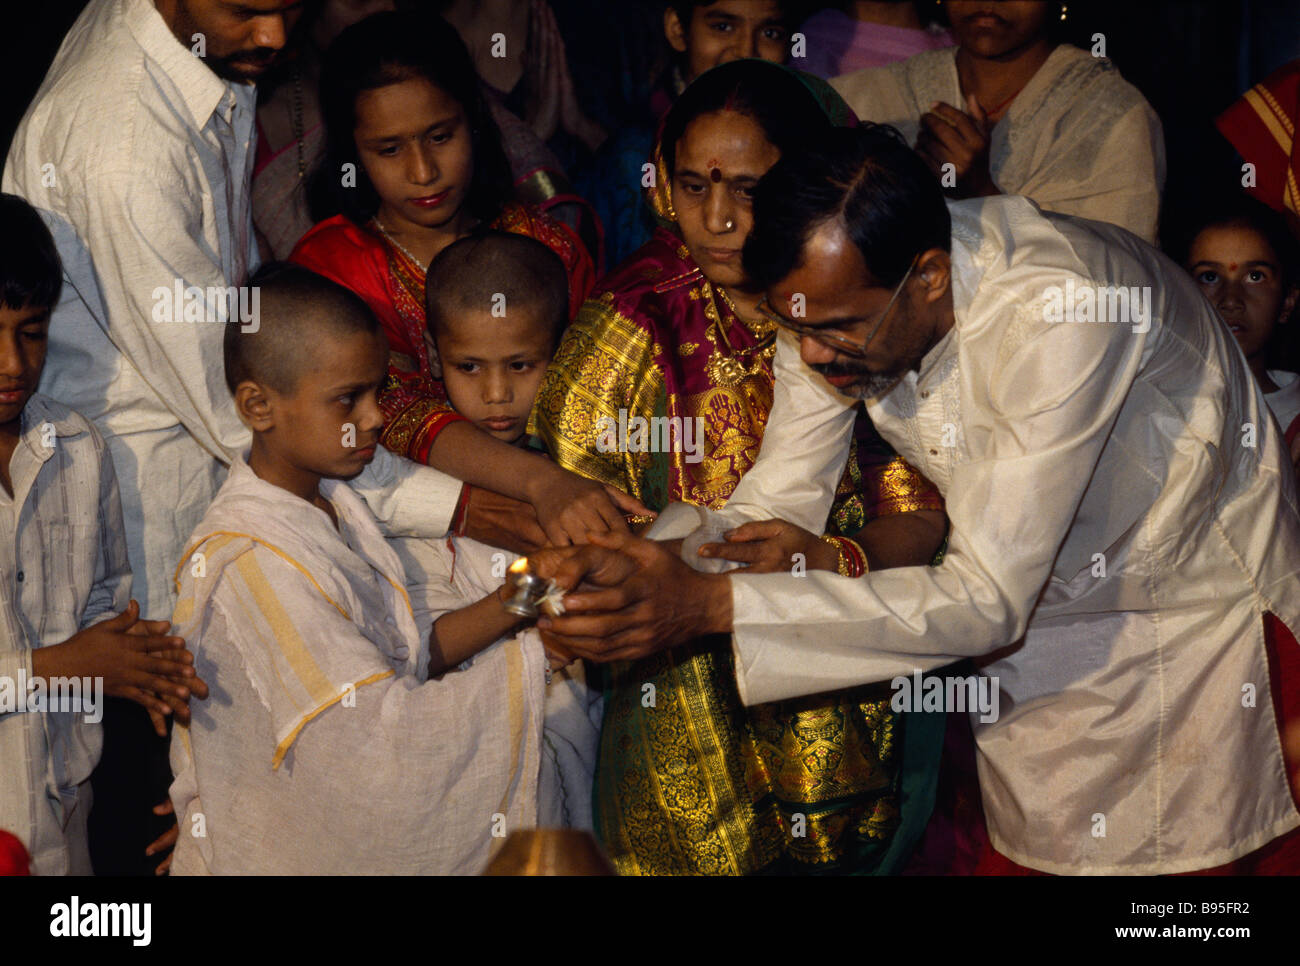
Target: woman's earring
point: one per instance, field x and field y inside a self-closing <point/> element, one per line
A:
<point x="1065" y="8"/>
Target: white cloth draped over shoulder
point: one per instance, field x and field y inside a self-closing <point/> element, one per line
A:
<point x="323" y="749"/>
<point x="1079" y="139"/>
<point x="1115" y="542"/>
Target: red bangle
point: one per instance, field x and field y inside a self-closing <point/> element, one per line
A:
<point x="858" y="557"/>
<point x="853" y="560"/>
<point x="459" y="518"/>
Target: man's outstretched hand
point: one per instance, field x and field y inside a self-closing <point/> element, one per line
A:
<point x="629" y="597"/>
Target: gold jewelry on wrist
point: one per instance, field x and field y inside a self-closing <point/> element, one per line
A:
<point x="852" y="558"/>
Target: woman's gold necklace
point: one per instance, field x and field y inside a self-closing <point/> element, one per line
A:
<point x="726" y="368"/>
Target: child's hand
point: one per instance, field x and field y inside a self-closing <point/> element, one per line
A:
<point x="165" y="841"/>
<point x="198" y="689"/>
<point x="135" y="659"/>
<point x="501" y="521"/>
<point x="570" y="506"/>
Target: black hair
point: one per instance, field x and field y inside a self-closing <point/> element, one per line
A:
<point x="296" y="307"/>
<point x="472" y="272"/>
<point x="1239" y="208"/>
<point x="889" y="202"/>
<point x="385" y="49"/>
<point x="31" y="273"/>
<point x="792" y="11"/>
<point x="773" y="96"/>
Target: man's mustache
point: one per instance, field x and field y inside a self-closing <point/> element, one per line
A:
<point x="262" y="57"/>
<point x="842" y="369"/>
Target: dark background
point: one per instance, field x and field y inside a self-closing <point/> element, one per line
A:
<point x="1191" y="58"/>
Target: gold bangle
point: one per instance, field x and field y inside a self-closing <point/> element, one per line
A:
<point x="842" y="564"/>
<point x="852" y="558"/>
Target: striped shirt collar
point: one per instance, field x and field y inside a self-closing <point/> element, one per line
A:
<point x="39" y="413"/>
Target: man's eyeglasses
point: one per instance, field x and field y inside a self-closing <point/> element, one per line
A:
<point x="827" y="337"/>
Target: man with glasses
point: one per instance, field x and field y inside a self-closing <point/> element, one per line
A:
<point x="1115" y="487"/>
<point x="826" y="334"/>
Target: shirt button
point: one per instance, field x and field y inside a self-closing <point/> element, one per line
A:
<point x="934" y="452"/>
<point x="20" y="576"/>
<point x="926" y="394"/>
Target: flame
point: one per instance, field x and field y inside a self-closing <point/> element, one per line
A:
<point x="519" y="566"/>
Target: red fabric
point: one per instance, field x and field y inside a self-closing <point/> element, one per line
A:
<point x="352" y="256"/>
<point x="13" y="857"/>
<point x="1254" y="123"/>
<point x="356" y="259"/>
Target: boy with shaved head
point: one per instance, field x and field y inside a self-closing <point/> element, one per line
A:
<point x="327" y="747"/>
<point x="496" y="304"/>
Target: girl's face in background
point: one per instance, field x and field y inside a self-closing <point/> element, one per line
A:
<point x="728" y="30"/>
<point x="1241" y="275"/>
<point x="414" y="142"/>
<point x="720" y="158"/>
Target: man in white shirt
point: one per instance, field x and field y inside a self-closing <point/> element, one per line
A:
<point x="1122" y="511"/>
<point x="138" y="152"/>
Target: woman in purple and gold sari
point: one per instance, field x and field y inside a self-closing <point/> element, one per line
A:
<point x="688" y="779"/>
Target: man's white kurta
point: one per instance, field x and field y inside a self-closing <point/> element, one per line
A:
<point x="1079" y="139"/>
<point x="1123" y="514"/>
<point x="138" y="156"/>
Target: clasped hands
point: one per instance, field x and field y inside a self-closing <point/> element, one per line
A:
<point x="629" y="597"/>
<point x="135" y="658"/>
<point x="949" y="136"/>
